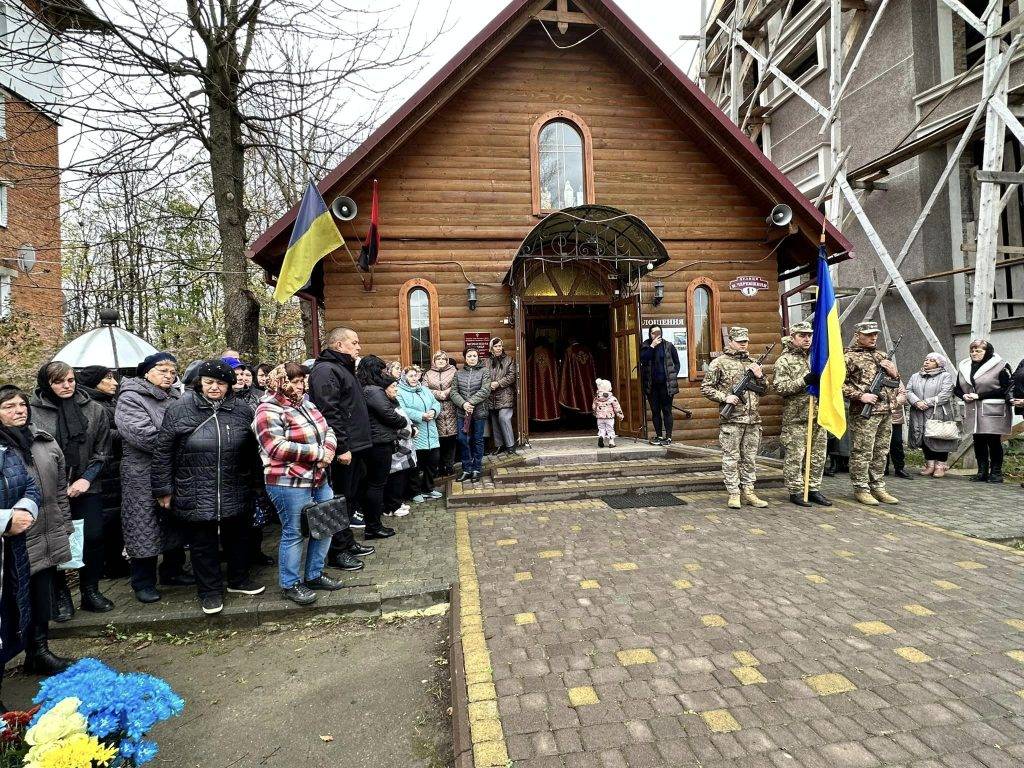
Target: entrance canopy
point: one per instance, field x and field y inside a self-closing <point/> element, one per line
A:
<point x="620" y="241"/>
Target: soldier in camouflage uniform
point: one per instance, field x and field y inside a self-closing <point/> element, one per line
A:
<point x="870" y="437"/>
<point x="740" y="434"/>
<point x="791" y="377"/>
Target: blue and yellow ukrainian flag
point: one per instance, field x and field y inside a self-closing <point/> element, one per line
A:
<point x="827" y="359"/>
<point x="314" y="235"/>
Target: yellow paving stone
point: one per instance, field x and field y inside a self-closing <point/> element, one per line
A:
<point x="913" y="655"/>
<point x="506" y="542"/>
<point x="826" y="527"/>
<point x="1021" y="693"/>
<point x="575" y="528"/>
<point x="583" y="695"/>
<point x="636" y="656"/>
<point x="845" y="553"/>
<point x="970" y="565"/>
<point x="873" y="628"/>
<point x="687" y="527"/>
<point x="526" y="618"/>
<point x="892" y="537"/>
<point x="746" y="658"/>
<point x="712" y="518"/>
<point x="748" y="675"/>
<point x="482" y="710"/>
<point x="624" y="566"/>
<point x="486" y="730"/>
<point x="816" y="578"/>
<point x="829" y="683"/>
<point x="542" y="518"/>
<point x="713" y="620"/>
<point x="1016" y="656"/>
<point x="590" y="584"/>
<point x="918" y="610"/>
<point x="720" y="721"/>
<point x="620" y="515"/>
<point x="490" y="754"/>
<point x="947" y="585"/>
<point x="523" y="576"/>
<point x="758" y="532"/>
<point x="1016" y="624"/>
<point x="481" y="691"/>
<point x="682" y="584"/>
<point x="692" y="567"/>
<point x="549" y="553"/>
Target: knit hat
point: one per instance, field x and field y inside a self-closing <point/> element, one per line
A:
<point x="214" y="369"/>
<point x="153" y="361"/>
<point x="92" y="375"/>
<point x="603" y="385"/>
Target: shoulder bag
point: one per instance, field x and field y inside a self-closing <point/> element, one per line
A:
<point x="321" y="520"/>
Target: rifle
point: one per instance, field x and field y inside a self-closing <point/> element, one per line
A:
<point x="746" y="384"/>
<point x="881" y="381"/>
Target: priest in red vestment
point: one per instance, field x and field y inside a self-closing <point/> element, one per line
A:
<point x="576" y="388"/>
<point x="543" y="372"/>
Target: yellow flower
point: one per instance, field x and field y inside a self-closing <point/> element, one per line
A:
<point x="63" y="720"/>
<point x="76" y="750"/>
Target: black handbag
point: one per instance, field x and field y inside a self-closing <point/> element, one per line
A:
<point x="321" y="520"/>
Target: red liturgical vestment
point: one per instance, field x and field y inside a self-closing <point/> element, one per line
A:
<point x="576" y="389"/>
<point x="543" y="375"/>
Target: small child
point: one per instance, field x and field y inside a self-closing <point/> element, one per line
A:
<point x="606" y="409"/>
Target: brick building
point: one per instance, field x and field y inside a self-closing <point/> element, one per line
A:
<point x="31" y="91"/>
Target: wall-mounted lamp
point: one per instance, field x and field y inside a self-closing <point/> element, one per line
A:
<point x="471" y="296"/>
<point x="659" y="293"/>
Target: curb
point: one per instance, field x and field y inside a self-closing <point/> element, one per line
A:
<point x="462" y="743"/>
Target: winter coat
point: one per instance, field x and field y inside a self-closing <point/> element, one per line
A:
<point x="139" y="415"/>
<point x="991" y="413"/>
<point x="17" y="489"/>
<point x="415" y="402"/>
<point x="503" y="370"/>
<point x="110" y="478"/>
<point x="472" y="385"/>
<point x="339" y="397"/>
<point x="293" y="438"/>
<point x="861" y="366"/>
<point x="48" y="539"/>
<point x="934" y="388"/>
<point x="724" y="373"/>
<point x="96" y="448"/>
<point x="385" y="421"/>
<point x="440" y="383"/>
<point x="607" y="407"/>
<point x="206" y="459"/>
<point x="251" y="396"/>
<point x="669" y="360"/>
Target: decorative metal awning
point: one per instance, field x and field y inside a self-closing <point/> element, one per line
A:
<point x="621" y="241"/>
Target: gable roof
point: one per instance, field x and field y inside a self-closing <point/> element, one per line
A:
<point x="684" y="96"/>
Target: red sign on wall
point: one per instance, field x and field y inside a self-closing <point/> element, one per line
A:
<point x="479" y="341"/>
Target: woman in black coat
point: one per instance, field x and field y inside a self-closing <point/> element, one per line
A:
<point x="205" y="470"/>
<point x="381" y="395"/>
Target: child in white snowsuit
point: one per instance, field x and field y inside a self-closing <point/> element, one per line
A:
<point x="606" y="409"/>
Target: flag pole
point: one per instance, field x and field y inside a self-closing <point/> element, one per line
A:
<point x="807" y="452"/>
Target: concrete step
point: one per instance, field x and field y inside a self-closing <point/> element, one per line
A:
<point x="599" y="470"/>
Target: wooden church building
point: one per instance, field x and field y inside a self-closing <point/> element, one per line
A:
<point x="561" y="184"/>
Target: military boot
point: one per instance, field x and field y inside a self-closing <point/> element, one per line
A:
<point x="865" y="497"/>
<point x="750" y="498"/>
<point x="734" y="501"/>
<point x="884" y="496"/>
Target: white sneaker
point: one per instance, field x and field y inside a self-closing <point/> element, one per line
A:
<point x="402" y="511"/>
<point x="436" y="494"/>
<point x="419" y="498"/>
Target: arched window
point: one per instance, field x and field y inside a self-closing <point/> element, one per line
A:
<point x="562" y="162"/>
<point x="418" y="322"/>
<point x="703" y="326"/>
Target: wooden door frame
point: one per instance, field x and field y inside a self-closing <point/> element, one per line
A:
<point x="635" y="394"/>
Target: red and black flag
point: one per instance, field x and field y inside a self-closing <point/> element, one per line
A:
<point x="371" y="246"/>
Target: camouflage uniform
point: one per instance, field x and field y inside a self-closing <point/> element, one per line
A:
<point x="788" y="380"/>
<point x="740" y="434"/>
<point x="870" y="437"/>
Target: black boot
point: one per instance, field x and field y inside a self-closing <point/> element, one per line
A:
<point x="798" y="499"/>
<point x="817" y="497"/>
<point x="600" y="442"/>
<point x="39" y="659"/>
<point x="93" y="600"/>
<point x="982" y="475"/>
<point x="996" y="475"/>
<point x="63" y="604"/>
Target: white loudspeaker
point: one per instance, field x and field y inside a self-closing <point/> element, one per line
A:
<point x="780" y="216"/>
<point x="344" y="208"/>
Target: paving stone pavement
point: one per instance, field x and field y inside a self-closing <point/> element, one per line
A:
<point x="702" y="636"/>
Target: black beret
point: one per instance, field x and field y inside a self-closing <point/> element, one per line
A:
<point x="153" y="361"/>
<point x="214" y="369"/>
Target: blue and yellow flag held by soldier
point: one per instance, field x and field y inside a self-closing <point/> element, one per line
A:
<point x="826" y="360"/>
<point x="314" y="235"/>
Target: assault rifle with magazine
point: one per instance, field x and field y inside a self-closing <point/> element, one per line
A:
<point x="881" y="381"/>
<point x="748" y="383"/>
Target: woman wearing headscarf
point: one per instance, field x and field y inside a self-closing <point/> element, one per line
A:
<point x="148" y="531"/>
<point x="82" y="430"/>
<point x="380" y="392"/>
<point x="439" y="381"/>
<point x="19" y="504"/>
<point x="48" y="538"/>
<point x="930" y="394"/>
<point x="100" y="383"/>
<point x="205" y="470"/>
<point x="983" y="383"/>
<point x="503" y="397"/>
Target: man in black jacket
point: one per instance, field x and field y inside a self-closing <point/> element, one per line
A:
<point x="659" y="367"/>
<point x="334" y="390"/>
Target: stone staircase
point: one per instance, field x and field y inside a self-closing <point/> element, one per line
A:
<point x="569" y="469"/>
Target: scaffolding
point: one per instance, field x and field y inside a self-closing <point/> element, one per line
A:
<point x="743" y="49"/>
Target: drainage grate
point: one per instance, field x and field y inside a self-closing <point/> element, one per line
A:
<point x="640" y="500"/>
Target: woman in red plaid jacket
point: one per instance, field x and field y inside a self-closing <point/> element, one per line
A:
<point x="297" y="448"/>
